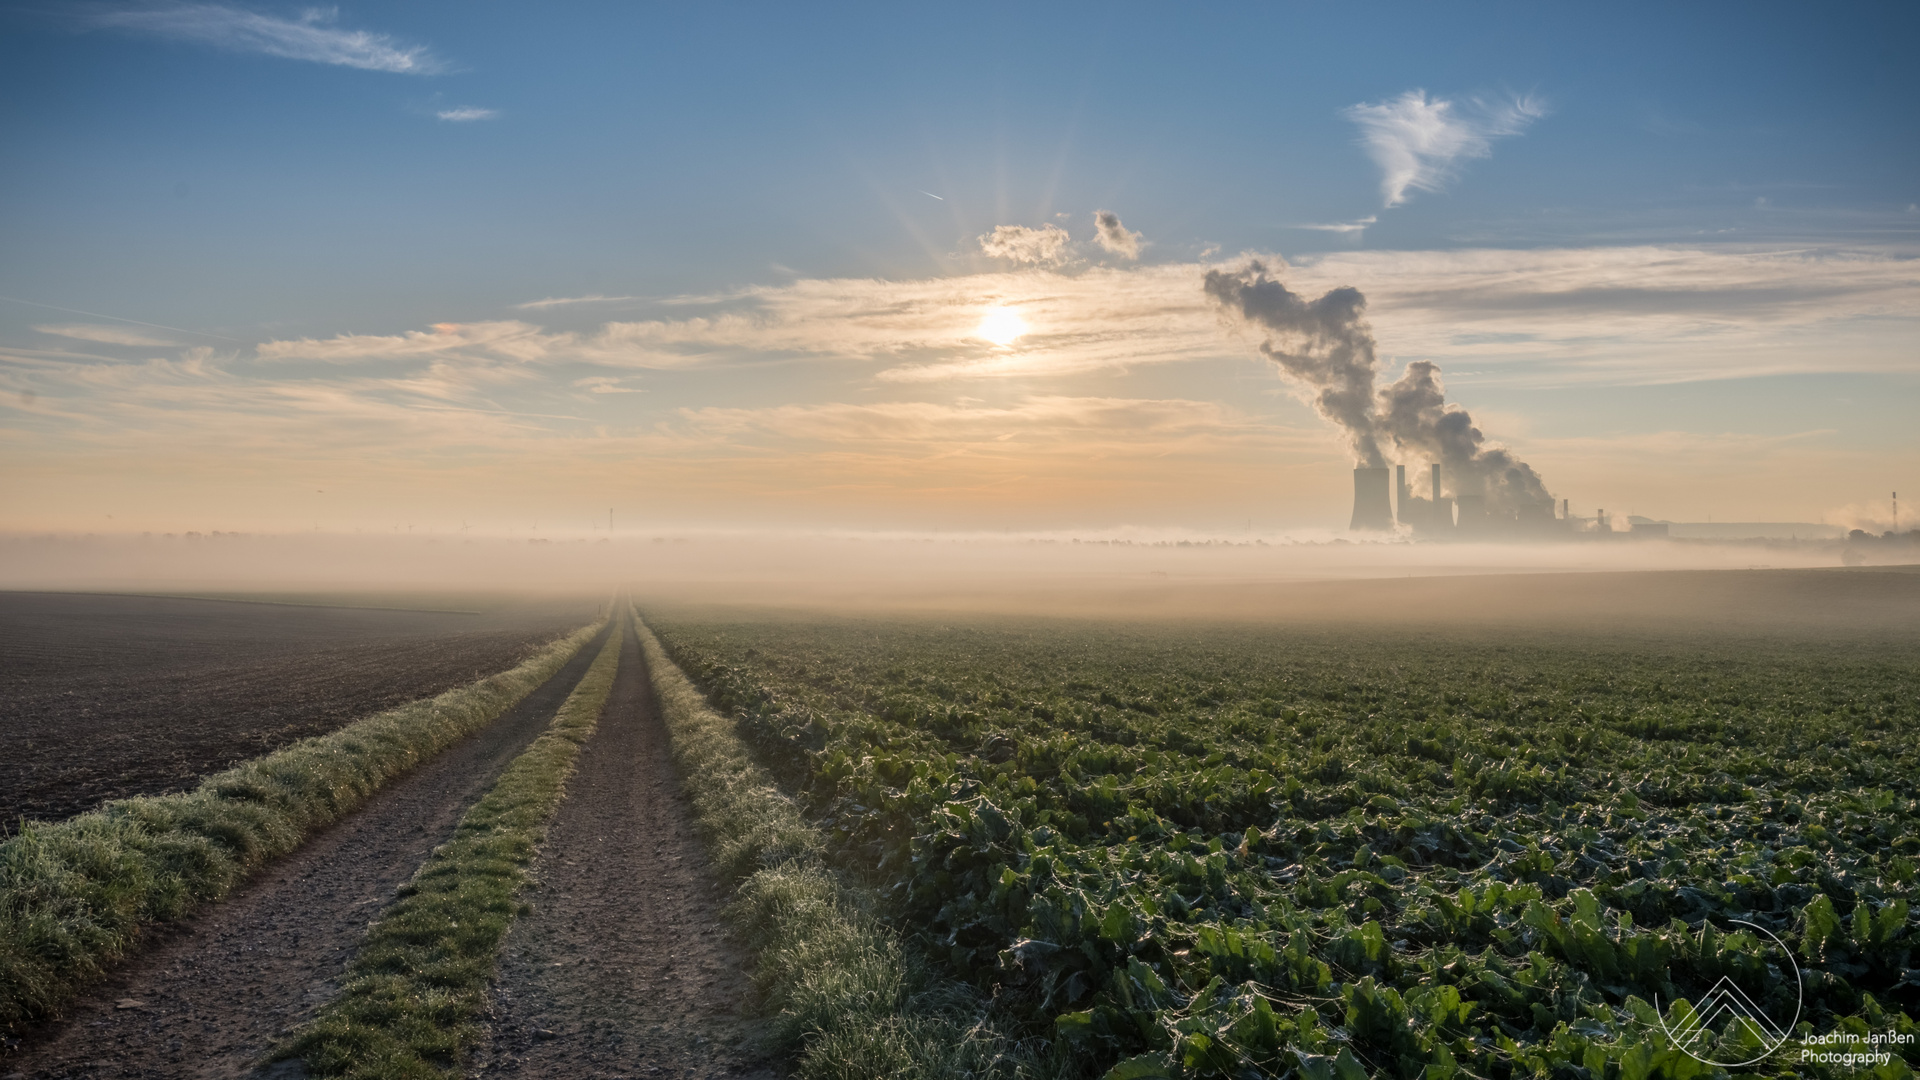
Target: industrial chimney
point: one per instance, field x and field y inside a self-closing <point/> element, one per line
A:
<point x="1442" y="510"/>
<point x="1372" y="506"/>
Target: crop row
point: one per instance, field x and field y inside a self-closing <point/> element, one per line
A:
<point x="1220" y="853"/>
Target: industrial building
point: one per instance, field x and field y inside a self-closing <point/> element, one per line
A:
<point x="1383" y="500"/>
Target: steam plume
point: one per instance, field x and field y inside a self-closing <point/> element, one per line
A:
<point x="1323" y="343"/>
<point x="1414" y="413"/>
<point x="1327" y="346"/>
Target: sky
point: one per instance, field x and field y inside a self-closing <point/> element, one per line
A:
<point x="511" y="267"/>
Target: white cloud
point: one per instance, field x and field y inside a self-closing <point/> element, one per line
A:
<point x="467" y="114"/>
<point x="1046" y="245"/>
<point x="484" y="343"/>
<point x="564" y="301"/>
<point x="312" y="36"/>
<point x="1039" y="418"/>
<point x="1113" y="237"/>
<point x="605" y="384"/>
<point x="1599" y="315"/>
<point x="106" y="335"/>
<point x="1419" y="142"/>
<point x="1357" y="225"/>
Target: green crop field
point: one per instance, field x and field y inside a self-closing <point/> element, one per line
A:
<point x="1217" y="851"/>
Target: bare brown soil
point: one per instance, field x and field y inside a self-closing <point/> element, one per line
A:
<point x="211" y="997"/>
<point x="624" y="969"/>
<point x="103" y="697"/>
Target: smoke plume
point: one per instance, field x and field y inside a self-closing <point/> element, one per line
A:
<point x="1415" y="415"/>
<point x="1326" y="346"/>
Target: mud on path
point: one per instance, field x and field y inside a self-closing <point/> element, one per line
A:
<point x="102" y="697"/>
<point x="624" y="969"/>
<point x="209" y="997"/>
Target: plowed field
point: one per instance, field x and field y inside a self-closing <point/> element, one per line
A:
<point x="103" y="697"/>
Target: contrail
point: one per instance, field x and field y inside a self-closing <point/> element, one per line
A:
<point x="116" y="318"/>
<point x="929" y="194"/>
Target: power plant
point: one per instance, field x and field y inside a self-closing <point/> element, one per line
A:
<point x="1380" y="506"/>
<point x="1372" y="507"/>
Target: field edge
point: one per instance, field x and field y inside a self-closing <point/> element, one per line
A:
<point x="76" y="895"/>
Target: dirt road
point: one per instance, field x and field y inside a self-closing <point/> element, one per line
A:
<point x="210" y="998"/>
<point x="624" y="968"/>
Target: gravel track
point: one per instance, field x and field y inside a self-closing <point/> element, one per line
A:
<point x="624" y="969"/>
<point x="209" y="997"/>
<point x="103" y="697"/>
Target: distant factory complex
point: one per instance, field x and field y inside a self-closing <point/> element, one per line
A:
<point x="1383" y="501"/>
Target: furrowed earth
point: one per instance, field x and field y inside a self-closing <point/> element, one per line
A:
<point x="103" y="697"/>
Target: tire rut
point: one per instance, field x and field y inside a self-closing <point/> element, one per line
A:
<point x="624" y="969"/>
<point x="209" y="995"/>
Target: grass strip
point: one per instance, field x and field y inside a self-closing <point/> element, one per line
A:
<point x="420" y="977"/>
<point x="848" y="1000"/>
<point x="76" y="894"/>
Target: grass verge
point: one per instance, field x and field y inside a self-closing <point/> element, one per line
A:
<point x="421" y="975"/>
<point x="848" y="1000"/>
<point x="75" y="895"/>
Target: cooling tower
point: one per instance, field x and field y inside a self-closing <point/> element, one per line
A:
<point x="1372" y="506"/>
<point x="1440" y="513"/>
<point x="1473" y="513"/>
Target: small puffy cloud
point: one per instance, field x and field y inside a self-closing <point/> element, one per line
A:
<point x="1419" y="142"/>
<point x="311" y="36"/>
<point x="1113" y="237"/>
<point x="467" y="114"/>
<point x="1045" y="245"/>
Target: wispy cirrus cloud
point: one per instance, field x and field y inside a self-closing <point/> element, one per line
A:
<point x="467" y="114"/>
<point x="567" y="301"/>
<point x="1625" y="315"/>
<point x="105" y="335"/>
<point x="1127" y="383"/>
<point x="1355" y="226"/>
<point x="311" y="36"/>
<point x="1420" y="142"/>
<point x="506" y="341"/>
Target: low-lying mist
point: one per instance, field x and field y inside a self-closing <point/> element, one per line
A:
<point x="1774" y="586"/>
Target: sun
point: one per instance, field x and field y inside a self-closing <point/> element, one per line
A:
<point x="1002" y="326"/>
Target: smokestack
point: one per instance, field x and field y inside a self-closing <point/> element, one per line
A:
<point x="1371" y="506"/>
<point x="1440" y="513"/>
<point x="1401" y="494"/>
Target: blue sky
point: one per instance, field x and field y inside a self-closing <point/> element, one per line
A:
<point x="252" y="176"/>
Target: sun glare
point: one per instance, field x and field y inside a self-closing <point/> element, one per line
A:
<point x="1002" y="326"/>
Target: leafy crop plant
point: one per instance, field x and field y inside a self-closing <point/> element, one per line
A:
<point x="1259" y="851"/>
